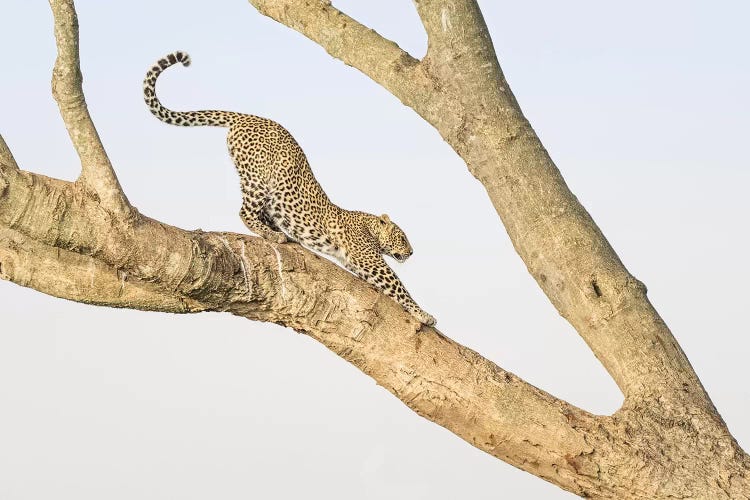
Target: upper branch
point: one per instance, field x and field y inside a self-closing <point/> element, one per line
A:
<point x="97" y="173"/>
<point x="356" y="45"/>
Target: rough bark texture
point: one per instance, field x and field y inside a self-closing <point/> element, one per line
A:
<point x="83" y="241"/>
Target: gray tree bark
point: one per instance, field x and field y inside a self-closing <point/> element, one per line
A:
<point x="83" y="241"/>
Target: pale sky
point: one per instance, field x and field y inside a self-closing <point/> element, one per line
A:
<point x="643" y="105"/>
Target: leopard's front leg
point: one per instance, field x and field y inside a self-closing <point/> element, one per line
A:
<point x="377" y="272"/>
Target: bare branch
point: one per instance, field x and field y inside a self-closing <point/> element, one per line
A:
<point x="97" y="173"/>
<point x="356" y="45"/>
<point x="6" y="157"/>
<point x="436" y="377"/>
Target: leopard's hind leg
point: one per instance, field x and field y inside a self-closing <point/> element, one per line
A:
<point x="252" y="214"/>
<point x="267" y="220"/>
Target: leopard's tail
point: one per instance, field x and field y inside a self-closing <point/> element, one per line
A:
<point x="183" y="118"/>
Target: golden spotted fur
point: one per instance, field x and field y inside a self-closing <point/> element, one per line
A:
<point x="282" y="199"/>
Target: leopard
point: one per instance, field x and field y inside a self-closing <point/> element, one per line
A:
<point x="282" y="201"/>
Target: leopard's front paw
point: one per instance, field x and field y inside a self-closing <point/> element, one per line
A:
<point x="424" y="318"/>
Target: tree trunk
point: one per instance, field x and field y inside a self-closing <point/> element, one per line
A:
<point x="666" y="441"/>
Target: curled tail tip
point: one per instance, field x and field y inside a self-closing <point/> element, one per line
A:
<point x="171" y="59"/>
<point x="182" y="57"/>
<point x="175" y="57"/>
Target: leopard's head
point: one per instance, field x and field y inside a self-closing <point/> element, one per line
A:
<point x="392" y="239"/>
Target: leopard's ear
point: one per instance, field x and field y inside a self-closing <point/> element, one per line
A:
<point x="384" y="219"/>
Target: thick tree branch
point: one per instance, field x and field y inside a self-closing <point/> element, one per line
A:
<point x="97" y="173"/>
<point x="438" y="378"/>
<point x="80" y="278"/>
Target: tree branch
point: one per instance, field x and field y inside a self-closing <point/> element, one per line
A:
<point x="97" y="173"/>
<point x="80" y="278"/>
<point x="436" y="377"/>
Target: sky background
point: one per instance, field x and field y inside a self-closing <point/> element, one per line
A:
<point x="643" y="106"/>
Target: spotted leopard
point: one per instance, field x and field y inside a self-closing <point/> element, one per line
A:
<point x="282" y="200"/>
